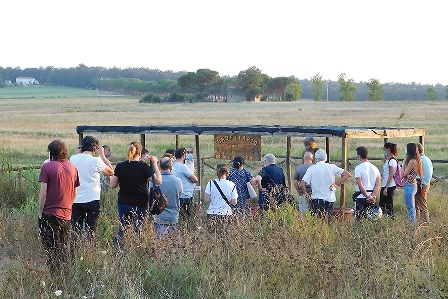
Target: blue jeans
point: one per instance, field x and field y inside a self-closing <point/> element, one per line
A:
<point x="130" y="215"/>
<point x="163" y="229"/>
<point x="409" y="200"/>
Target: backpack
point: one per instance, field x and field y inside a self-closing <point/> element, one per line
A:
<point x="398" y="174"/>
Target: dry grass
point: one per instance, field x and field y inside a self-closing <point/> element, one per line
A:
<point x="283" y="255"/>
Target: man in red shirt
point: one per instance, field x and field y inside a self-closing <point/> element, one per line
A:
<point x="58" y="182"/>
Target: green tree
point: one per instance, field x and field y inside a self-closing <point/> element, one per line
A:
<point x="446" y="94"/>
<point x="293" y="92"/>
<point x="250" y="82"/>
<point x="347" y="89"/>
<point x="317" y="85"/>
<point x="202" y="80"/>
<point x="277" y="86"/>
<point x="374" y="90"/>
<point x="431" y="94"/>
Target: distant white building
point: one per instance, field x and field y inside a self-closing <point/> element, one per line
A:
<point x="26" y="81"/>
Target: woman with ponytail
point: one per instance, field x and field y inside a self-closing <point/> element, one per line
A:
<point x="132" y="176"/>
<point x="412" y="168"/>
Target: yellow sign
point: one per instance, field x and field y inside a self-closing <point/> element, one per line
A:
<point x="227" y="146"/>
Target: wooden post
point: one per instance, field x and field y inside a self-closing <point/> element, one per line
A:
<point x="421" y="139"/>
<point x="80" y="137"/>
<point x="327" y="148"/>
<point x="288" y="160"/>
<point x="198" y="166"/>
<point x="343" y="166"/>
<point x="177" y="141"/>
<point x="143" y="140"/>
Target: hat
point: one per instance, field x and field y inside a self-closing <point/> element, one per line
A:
<point x="308" y="139"/>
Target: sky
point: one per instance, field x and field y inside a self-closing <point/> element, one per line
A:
<point x="394" y="41"/>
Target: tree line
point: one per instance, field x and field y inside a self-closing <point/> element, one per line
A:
<point x="206" y="84"/>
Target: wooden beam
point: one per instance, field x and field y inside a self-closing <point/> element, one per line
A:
<point x="288" y="160"/>
<point x="178" y="141"/>
<point x="143" y="140"/>
<point x="198" y="166"/>
<point x="80" y="137"/>
<point x="327" y="148"/>
<point x="383" y="133"/>
<point x="343" y="166"/>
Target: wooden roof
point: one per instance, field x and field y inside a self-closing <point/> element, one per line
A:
<point x="323" y="131"/>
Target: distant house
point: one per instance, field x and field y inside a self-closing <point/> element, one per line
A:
<point x="26" y="81"/>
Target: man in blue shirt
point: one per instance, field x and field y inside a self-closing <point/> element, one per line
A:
<point x="271" y="182"/>
<point x="166" y="222"/>
<point x="421" y="205"/>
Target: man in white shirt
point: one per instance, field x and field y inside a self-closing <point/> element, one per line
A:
<point x="183" y="172"/>
<point x="322" y="179"/>
<point x="368" y="180"/>
<point x="421" y="205"/>
<point x="86" y="207"/>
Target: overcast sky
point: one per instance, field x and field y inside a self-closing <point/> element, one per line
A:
<point x="393" y="41"/>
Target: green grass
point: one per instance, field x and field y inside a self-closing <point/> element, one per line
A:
<point x="41" y="92"/>
<point x="282" y="255"/>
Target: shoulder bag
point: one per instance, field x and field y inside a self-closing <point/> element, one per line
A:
<point x="157" y="200"/>
<point x="222" y="193"/>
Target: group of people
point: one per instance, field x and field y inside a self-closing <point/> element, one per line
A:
<point x="70" y="189"/>
<point x="316" y="182"/>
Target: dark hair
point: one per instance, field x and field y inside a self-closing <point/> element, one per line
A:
<point x="420" y="147"/>
<point x="170" y="151"/>
<point x="412" y="153"/>
<point x="392" y="147"/>
<point x="362" y="151"/>
<point x="58" y="150"/>
<point x="222" y="169"/>
<point x="237" y="162"/>
<point x="165" y="163"/>
<point x="89" y="143"/>
<point x="180" y="152"/>
<point x="145" y="151"/>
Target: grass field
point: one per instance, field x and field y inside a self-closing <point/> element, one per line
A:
<point x="283" y="255"/>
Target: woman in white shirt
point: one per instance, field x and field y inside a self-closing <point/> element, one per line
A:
<point x="219" y="207"/>
<point x="388" y="183"/>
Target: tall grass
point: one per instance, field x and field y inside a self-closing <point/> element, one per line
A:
<point x="281" y="255"/>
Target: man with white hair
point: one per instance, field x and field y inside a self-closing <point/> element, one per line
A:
<point x="322" y="179"/>
<point x="270" y="178"/>
<point x="421" y="204"/>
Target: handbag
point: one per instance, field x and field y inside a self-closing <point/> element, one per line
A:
<point x="157" y="200"/>
<point x="251" y="190"/>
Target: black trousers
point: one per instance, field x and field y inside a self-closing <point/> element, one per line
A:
<point x="186" y="208"/>
<point x="387" y="202"/>
<point x="55" y="234"/>
<point x="85" y="212"/>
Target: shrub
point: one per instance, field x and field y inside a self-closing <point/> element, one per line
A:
<point x="150" y="98"/>
<point x="12" y="192"/>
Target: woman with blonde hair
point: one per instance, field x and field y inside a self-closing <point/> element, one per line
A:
<point x="412" y="168"/>
<point x="133" y="175"/>
<point x="220" y="193"/>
